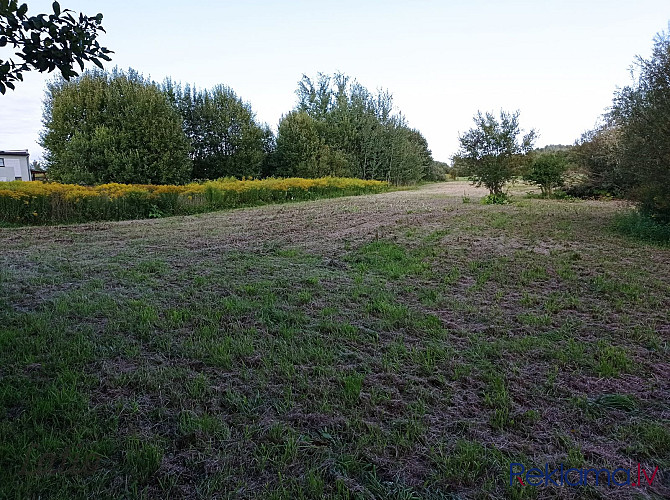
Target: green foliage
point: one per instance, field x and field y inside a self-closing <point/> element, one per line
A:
<point x="437" y="171"/>
<point x="642" y="113"/>
<point x="302" y="150"/>
<point x="226" y="140"/>
<point x="340" y="128"/>
<point x="496" y="199"/>
<point x="117" y="127"/>
<point x="47" y="42"/>
<point x="493" y="150"/>
<point x="597" y="157"/>
<point x="642" y="227"/>
<point x="547" y="170"/>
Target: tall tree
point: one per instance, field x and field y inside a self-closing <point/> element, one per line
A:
<point x="642" y="113"/>
<point x="47" y="42"/>
<point x="226" y="139"/>
<point x="597" y="155"/>
<point x="302" y="150"/>
<point x="347" y="129"/>
<point x="116" y="127"/>
<point x="493" y="149"/>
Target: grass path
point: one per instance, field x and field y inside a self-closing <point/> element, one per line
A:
<point x="402" y="345"/>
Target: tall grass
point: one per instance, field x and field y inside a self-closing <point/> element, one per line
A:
<point x="52" y="203"/>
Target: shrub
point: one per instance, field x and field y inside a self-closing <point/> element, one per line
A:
<point x="642" y="227"/>
<point x="547" y="170"/>
<point x="47" y="203"/>
<point x="496" y="199"/>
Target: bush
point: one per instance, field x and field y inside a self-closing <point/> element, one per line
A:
<point x="547" y="170"/>
<point x="48" y="203"/>
<point x="642" y="227"/>
<point x="496" y="199"/>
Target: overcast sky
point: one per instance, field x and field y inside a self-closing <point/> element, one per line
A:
<point x="558" y="62"/>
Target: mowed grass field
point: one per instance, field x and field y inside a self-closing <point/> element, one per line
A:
<point x="402" y="345"/>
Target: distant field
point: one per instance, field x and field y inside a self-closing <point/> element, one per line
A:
<point x="405" y="345"/>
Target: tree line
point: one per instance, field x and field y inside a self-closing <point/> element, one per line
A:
<point x="121" y="127"/>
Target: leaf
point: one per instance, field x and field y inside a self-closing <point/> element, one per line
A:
<point x="2" y="88"/>
<point x="56" y="7"/>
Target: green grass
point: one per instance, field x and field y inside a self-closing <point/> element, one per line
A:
<point x="196" y="358"/>
<point x="640" y="227"/>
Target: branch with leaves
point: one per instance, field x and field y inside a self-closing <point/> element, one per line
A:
<point x="47" y="41"/>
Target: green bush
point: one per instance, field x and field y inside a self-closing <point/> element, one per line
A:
<point x="547" y="170"/>
<point x="496" y="199"/>
<point x="642" y="227"/>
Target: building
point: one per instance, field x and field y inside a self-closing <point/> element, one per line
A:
<point x="15" y="166"/>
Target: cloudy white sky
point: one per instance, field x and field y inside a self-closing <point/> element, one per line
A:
<point x="558" y="62"/>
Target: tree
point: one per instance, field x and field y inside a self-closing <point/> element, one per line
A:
<point x="118" y="127"/>
<point x="493" y="150"/>
<point x="340" y="128"/>
<point x="547" y="170"/>
<point x="597" y="156"/>
<point x="225" y="138"/>
<point x="302" y="150"/>
<point x="641" y="112"/>
<point x="47" y="42"/>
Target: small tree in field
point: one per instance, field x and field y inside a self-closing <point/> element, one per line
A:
<point x="493" y="150"/>
<point x="547" y="170"/>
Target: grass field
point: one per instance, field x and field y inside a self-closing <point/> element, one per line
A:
<point x="405" y="345"/>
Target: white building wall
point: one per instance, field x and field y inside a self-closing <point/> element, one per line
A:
<point x="14" y="166"/>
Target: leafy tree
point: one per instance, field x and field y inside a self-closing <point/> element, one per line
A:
<point x="117" y="127"/>
<point x="302" y="150"/>
<point x="547" y="170"/>
<point x="225" y="138"/>
<point x="47" y="42"/>
<point x="641" y="113"/>
<point x="348" y="130"/>
<point x="597" y="156"/>
<point x="493" y="150"/>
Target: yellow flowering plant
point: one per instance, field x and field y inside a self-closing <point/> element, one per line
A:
<point x="44" y="203"/>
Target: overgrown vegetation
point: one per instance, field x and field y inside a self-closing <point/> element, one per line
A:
<point x="642" y="113"/>
<point x="53" y="203"/>
<point x="629" y="154"/>
<point x="640" y="226"/>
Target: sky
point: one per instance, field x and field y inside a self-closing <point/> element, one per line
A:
<point x="557" y="62"/>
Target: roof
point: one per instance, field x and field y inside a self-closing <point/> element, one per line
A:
<point x="22" y="152"/>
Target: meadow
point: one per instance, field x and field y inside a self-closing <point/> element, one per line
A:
<point x="404" y="345"/>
